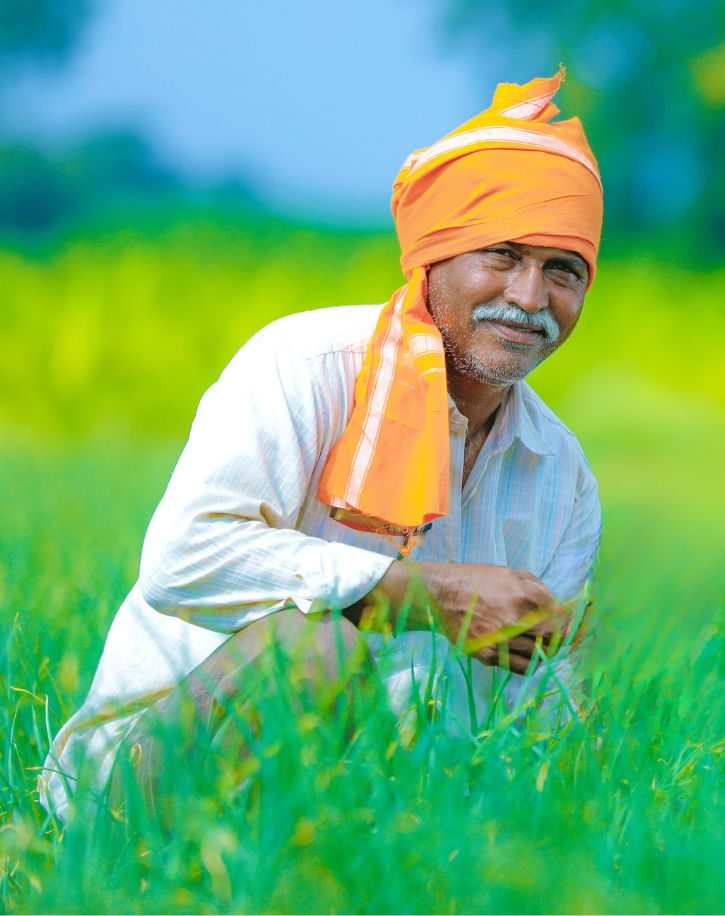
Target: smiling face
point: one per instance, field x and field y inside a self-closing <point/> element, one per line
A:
<point x="503" y="309"/>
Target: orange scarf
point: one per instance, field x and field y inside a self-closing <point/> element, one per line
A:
<point x="506" y="175"/>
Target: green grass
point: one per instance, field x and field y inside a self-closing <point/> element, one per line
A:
<point x="107" y="349"/>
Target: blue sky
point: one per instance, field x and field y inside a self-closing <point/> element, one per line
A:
<point x="319" y="102"/>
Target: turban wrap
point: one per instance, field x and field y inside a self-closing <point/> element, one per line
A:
<point x="508" y="174"/>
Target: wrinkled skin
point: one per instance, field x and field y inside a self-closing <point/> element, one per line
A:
<point x="533" y="278"/>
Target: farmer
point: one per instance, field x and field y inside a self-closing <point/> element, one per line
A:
<point x="347" y="454"/>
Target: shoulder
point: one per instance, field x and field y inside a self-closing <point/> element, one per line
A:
<point x="305" y="336"/>
<point x="554" y="437"/>
<point x="309" y="360"/>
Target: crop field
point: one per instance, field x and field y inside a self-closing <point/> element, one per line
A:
<point x="108" y="341"/>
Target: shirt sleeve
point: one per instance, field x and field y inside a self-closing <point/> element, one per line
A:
<point x="221" y="550"/>
<point x="572" y="565"/>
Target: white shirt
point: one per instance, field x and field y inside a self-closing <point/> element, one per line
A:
<point x="240" y="532"/>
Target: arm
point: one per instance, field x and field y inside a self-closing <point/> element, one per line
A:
<point x="477" y="605"/>
<point x="221" y="549"/>
<point x="480" y="600"/>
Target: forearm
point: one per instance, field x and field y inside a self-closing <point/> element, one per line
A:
<point x="479" y="606"/>
<point x="405" y="598"/>
<point x="225" y="572"/>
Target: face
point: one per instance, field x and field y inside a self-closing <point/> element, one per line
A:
<point x="503" y="309"/>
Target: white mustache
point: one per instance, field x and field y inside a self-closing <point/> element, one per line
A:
<point x="541" y="321"/>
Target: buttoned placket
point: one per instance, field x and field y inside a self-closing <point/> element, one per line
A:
<point x="458" y="427"/>
<point x="489" y="450"/>
<point x="497" y="441"/>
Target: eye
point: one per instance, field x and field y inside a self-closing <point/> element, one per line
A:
<point x="565" y="271"/>
<point x="500" y="255"/>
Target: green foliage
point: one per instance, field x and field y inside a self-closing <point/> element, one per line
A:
<point x="106" y="348"/>
<point x="46" y="191"/>
<point x="128" y="329"/>
<point x="609" y="813"/>
<point x="39" y="31"/>
<point x="131" y="331"/>
<point x="646" y="80"/>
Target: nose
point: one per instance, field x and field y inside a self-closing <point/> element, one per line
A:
<point x="526" y="288"/>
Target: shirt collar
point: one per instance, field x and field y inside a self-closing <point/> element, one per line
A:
<point x="514" y="420"/>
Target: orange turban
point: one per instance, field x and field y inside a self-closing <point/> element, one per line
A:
<point x="509" y="174"/>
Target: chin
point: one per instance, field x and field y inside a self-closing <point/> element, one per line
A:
<point x="503" y="368"/>
<point x="494" y="374"/>
<point x="502" y="378"/>
<point x="497" y="367"/>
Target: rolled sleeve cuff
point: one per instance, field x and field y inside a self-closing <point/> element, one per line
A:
<point x="335" y="576"/>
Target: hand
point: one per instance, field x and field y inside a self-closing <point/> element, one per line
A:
<point x="494" y="613"/>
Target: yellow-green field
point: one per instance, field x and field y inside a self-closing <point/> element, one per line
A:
<point x="107" y="345"/>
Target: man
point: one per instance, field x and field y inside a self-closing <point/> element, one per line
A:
<point x="347" y="453"/>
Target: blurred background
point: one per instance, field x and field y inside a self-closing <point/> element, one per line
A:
<point x="174" y="175"/>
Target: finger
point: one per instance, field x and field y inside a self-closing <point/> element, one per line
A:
<point x="574" y="630"/>
<point x="528" y="646"/>
<point x="512" y="661"/>
<point x="519" y="664"/>
<point x="543" y="597"/>
<point x="531" y="580"/>
<point x="548" y="627"/>
<point x="506" y="656"/>
<point x="487" y="656"/>
<point x="579" y="634"/>
<point x="534" y="601"/>
<point x="544" y="600"/>
<point x="525" y="645"/>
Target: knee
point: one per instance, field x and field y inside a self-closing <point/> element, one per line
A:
<point x="333" y="644"/>
<point x="320" y="642"/>
<point x="340" y="631"/>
